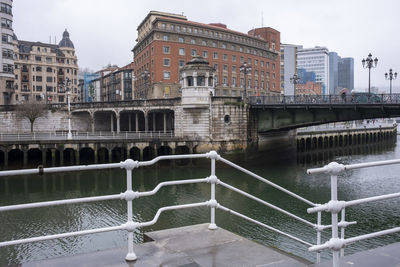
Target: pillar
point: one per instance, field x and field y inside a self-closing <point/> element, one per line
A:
<point x="53" y="157"/>
<point x="194" y="78"/>
<point x="140" y="154"/>
<point x="92" y="121"/>
<point x="165" y="121"/>
<point x="109" y="155"/>
<point x="25" y="157"/>
<point x="44" y="157"/>
<point x="184" y="80"/>
<point x="77" y="157"/>
<point x="128" y="153"/>
<point x="154" y="121"/>
<point x="118" y="122"/>
<point x="207" y="76"/>
<point x="146" y="122"/>
<point x="111" y="123"/>
<point x="95" y="156"/>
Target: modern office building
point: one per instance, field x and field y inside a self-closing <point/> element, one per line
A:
<point x="45" y="72"/>
<point x="7" y="89"/>
<point x="305" y="76"/>
<point x="167" y="41"/>
<point x="346" y="73"/>
<point x="317" y="60"/>
<point x="333" y="72"/>
<point x="288" y="68"/>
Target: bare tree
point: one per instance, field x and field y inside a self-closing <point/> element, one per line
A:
<point x="31" y="110"/>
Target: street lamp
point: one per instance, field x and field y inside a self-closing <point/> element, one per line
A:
<point x="66" y="83"/>
<point x="245" y="68"/>
<point x="391" y="76"/>
<point x="369" y="63"/>
<point x="145" y="76"/>
<point x="294" y="80"/>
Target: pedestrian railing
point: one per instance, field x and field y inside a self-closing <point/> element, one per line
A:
<point x="98" y="135"/>
<point x="334" y="206"/>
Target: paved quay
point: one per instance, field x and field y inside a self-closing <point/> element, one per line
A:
<point x="189" y="246"/>
<point x="387" y="256"/>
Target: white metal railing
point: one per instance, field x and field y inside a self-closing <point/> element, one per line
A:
<point x="100" y="135"/>
<point x="335" y="206"/>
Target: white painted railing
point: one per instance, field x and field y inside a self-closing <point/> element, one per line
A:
<point x="335" y="206"/>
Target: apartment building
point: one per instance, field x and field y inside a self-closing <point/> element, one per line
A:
<point x="167" y="41"/>
<point x="45" y="72"/>
<point x="7" y="56"/>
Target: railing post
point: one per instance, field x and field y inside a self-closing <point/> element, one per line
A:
<point x="335" y="234"/>
<point x="342" y="220"/>
<point x="129" y="165"/>
<point x="319" y="236"/>
<point x="213" y="156"/>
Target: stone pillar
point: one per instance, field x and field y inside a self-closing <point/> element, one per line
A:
<point x="137" y="122"/>
<point x="6" y="158"/>
<point x="118" y="122"/>
<point x="146" y="122"/>
<point x="95" y="156"/>
<point x="109" y="155"/>
<point x="140" y="154"/>
<point x="129" y="122"/>
<point x="165" y="121"/>
<point x="112" y="123"/>
<point x="92" y="121"/>
<point x="207" y="76"/>
<point x="128" y="153"/>
<point x="44" y="156"/>
<point x="61" y="157"/>
<point x="184" y="80"/>
<point x="194" y="78"/>
<point x="53" y="157"/>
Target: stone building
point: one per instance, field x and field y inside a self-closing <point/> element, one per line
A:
<point x="166" y="41"/>
<point x="7" y="56"/>
<point x="44" y="72"/>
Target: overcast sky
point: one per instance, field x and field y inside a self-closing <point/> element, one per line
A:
<point x="104" y="31"/>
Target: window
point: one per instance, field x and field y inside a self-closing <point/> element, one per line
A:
<point x="178" y="28"/>
<point x="224" y="46"/>
<point x="37" y="58"/>
<point x="181" y="63"/>
<point x="194" y="52"/>
<point x="8" y="68"/>
<point x="241" y="59"/>
<point x="48" y="60"/>
<point x="249" y="83"/>
<point x="241" y="49"/>
<point x="233" y="58"/>
<point x="205" y="54"/>
<point x="225" y="80"/>
<point x="233" y="81"/>
<point x="165" y="38"/>
<point x="167" y="75"/>
<point x="215" y="55"/>
<point x="233" y="68"/>
<point x="166" y="49"/>
<point x="48" y="69"/>
<point x="256" y="62"/>
<point x="184" y="29"/>
<point x="203" y="42"/>
<point x="38" y="78"/>
<point x="189" y="29"/>
<point x="225" y="57"/>
<point x="225" y="67"/>
<point x="38" y="68"/>
<point x="249" y="60"/>
<point x="214" y="44"/>
<point x="216" y="66"/>
<point x="181" y="39"/>
<point x="8" y="53"/>
<point x="39" y="88"/>
<point x="163" y="26"/>
<point x="172" y="27"/>
<point x="233" y="47"/>
<point x="6" y="38"/>
<point x="262" y="63"/>
<point x="6" y="8"/>
<point x="181" y="51"/>
<point x="193" y="41"/>
<point x="49" y="79"/>
<point x="166" y="62"/>
<point x="273" y="66"/>
<point x="6" y="23"/>
<point x="273" y="76"/>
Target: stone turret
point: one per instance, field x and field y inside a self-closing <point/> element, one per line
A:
<point x="197" y="83"/>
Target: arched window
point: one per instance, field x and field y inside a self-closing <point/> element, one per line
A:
<point x="190" y="81"/>
<point x="49" y="69"/>
<point x="201" y="81"/>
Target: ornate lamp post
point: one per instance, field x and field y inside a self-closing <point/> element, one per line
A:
<point x="145" y="76"/>
<point x="245" y="68"/>
<point x="369" y="63"/>
<point x="294" y="80"/>
<point x="391" y="76"/>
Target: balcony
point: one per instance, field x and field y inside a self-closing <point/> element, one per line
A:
<point x="25" y="80"/>
<point x="25" y="70"/>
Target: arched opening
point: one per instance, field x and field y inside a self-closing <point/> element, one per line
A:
<point x="105" y="121"/>
<point x="326" y="142"/>
<point x="102" y="155"/>
<point x="132" y="121"/>
<point x="86" y="156"/>
<point x="134" y="153"/>
<point x="314" y="143"/>
<point x="69" y="156"/>
<point x="2" y="158"/>
<point x="148" y="153"/>
<point x="118" y="154"/>
<point x="34" y="157"/>
<point x="162" y="151"/>
<point x="330" y="141"/>
<point x="308" y="143"/>
<point x="49" y="157"/>
<point x="15" y="158"/>
<point x="319" y="142"/>
<point x="341" y="140"/>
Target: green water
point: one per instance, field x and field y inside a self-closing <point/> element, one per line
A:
<point x="288" y="171"/>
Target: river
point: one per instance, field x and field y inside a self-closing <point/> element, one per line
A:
<point x="287" y="170"/>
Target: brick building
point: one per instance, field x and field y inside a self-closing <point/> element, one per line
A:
<point x="309" y="88"/>
<point x="167" y="41"/>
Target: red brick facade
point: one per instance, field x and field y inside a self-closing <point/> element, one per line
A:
<point x="167" y="41"/>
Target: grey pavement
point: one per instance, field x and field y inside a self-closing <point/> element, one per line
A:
<point x="189" y="246"/>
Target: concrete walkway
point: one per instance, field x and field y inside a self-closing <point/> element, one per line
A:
<point x="189" y="246"/>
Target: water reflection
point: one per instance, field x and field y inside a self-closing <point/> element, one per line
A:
<point x="289" y="172"/>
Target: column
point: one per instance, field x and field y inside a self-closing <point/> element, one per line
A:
<point x="118" y="122"/>
<point x="165" y="121"/>
<point x="137" y="121"/>
<point x="53" y="157"/>
<point x="128" y="153"/>
<point x="109" y="155"/>
<point x="25" y="157"/>
<point x="129" y="122"/>
<point x="194" y="78"/>
<point x="95" y="156"/>
<point x="140" y="154"/>
<point x="146" y="122"/>
<point x="184" y="80"/>
<point x="207" y="76"/>
<point x="92" y="121"/>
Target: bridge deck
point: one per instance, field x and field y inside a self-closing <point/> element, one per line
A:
<point x="185" y="246"/>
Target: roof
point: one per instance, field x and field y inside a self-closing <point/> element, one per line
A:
<point x="65" y="41"/>
<point x="26" y="47"/>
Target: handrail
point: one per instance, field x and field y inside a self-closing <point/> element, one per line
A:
<point x="129" y="195"/>
<point x="334" y="206"/>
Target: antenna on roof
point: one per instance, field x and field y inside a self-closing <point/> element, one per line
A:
<point x="262" y="19"/>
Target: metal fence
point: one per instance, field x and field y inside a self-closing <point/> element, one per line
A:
<point x="63" y="135"/>
<point x="334" y="206"/>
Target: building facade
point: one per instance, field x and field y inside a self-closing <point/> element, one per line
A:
<point x="309" y="88"/>
<point x="7" y="89"/>
<point x="288" y="68"/>
<point x="45" y="72"/>
<point x="167" y="41"/>
<point x="346" y="73"/>
<point x="333" y="72"/>
<point x="317" y="60"/>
